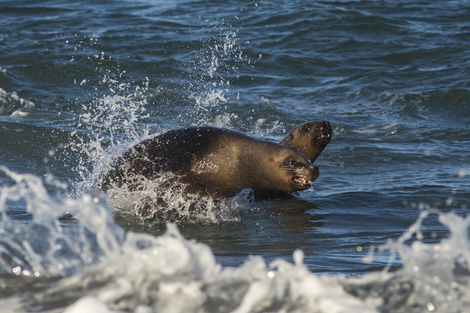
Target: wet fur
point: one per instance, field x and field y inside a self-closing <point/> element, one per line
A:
<point x="213" y="161"/>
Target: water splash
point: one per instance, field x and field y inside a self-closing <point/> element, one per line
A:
<point x="213" y="71"/>
<point x="164" y="199"/>
<point x="45" y="240"/>
<point x="110" y="123"/>
<point x="108" y="127"/>
<point x="435" y="274"/>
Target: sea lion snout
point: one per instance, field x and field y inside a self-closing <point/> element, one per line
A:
<point x="304" y="176"/>
<point x="323" y="131"/>
<point x="315" y="173"/>
<point x="312" y="172"/>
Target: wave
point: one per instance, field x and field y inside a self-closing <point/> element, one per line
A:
<point x="12" y="104"/>
<point x="99" y="264"/>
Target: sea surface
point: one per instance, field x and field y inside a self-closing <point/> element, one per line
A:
<point x="385" y="228"/>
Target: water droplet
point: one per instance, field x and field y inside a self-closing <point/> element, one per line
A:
<point x="16" y="270"/>
<point x="298" y="257"/>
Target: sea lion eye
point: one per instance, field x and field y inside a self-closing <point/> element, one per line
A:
<point x="291" y="163"/>
<point x="306" y="128"/>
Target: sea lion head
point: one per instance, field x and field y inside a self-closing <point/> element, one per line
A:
<point x="296" y="172"/>
<point x="310" y="138"/>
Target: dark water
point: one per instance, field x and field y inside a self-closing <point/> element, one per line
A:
<point x="81" y="82"/>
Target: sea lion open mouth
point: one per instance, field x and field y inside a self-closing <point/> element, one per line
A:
<point x="302" y="181"/>
<point x="304" y="176"/>
<point x="323" y="132"/>
<point x="324" y="136"/>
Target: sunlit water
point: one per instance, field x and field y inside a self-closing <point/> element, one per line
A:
<point x="384" y="229"/>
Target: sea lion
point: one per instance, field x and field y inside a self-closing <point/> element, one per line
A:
<point x="213" y="161"/>
<point x="310" y="138"/>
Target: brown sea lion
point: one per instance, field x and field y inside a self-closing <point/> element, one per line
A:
<point x="213" y="161"/>
<point x="309" y="138"/>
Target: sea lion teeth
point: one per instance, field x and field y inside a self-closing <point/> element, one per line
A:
<point x="302" y="180"/>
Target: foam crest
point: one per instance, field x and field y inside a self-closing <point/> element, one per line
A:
<point x="47" y="241"/>
<point x="440" y="272"/>
<point x="167" y="270"/>
<point x="12" y="104"/>
<point x="435" y="274"/>
<point x="175" y="275"/>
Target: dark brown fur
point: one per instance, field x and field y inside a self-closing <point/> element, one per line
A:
<point x="213" y="161"/>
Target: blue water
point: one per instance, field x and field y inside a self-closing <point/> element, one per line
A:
<point x="384" y="228"/>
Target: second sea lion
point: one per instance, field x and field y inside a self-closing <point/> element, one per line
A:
<point x="309" y="138"/>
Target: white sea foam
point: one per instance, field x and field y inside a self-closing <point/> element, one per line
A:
<point x="43" y="246"/>
<point x="174" y="275"/>
<point x="164" y="199"/>
<point x="142" y="273"/>
<point x="440" y="271"/>
<point x="12" y="104"/>
<point x="434" y="276"/>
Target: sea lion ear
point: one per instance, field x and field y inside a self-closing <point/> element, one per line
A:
<point x="271" y="159"/>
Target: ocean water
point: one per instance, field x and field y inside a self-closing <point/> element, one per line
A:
<point x="385" y="227"/>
